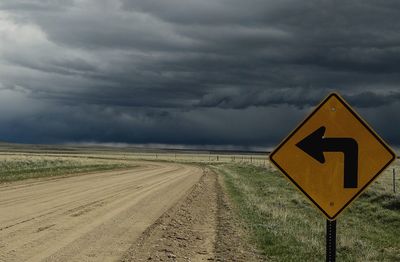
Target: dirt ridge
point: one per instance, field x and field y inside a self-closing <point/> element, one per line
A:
<point x="199" y="227"/>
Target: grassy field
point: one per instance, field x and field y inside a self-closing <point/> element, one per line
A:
<point x="23" y="166"/>
<point x="18" y="162"/>
<point x="286" y="227"/>
<point x="280" y="222"/>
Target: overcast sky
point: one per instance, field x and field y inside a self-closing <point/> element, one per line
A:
<point x="216" y="72"/>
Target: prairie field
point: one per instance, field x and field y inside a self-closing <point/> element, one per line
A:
<point x="286" y="227"/>
<point x="275" y="218"/>
<point x="23" y="166"/>
<point x="18" y="163"/>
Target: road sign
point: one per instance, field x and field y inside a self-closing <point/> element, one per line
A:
<point x="332" y="156"/>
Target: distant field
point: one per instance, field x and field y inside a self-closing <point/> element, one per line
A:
<point x="23" y="166"/>
<point x="286" y="227"/>
<point x="22" y="162"/>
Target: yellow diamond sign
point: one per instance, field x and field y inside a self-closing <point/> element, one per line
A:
<point x="332" y="156"/>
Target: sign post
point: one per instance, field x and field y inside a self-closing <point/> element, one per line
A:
<point x="332" y="157"/>
<point x="330" y="240"/>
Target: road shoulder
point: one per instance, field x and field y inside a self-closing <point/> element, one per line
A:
<point x="186" y="232"/>
<point x="200" y="227"/>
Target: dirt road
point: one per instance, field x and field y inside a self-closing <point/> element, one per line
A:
<point x="92" y="217"/>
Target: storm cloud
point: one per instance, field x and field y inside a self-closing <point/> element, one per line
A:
<point x="192" y="72"/>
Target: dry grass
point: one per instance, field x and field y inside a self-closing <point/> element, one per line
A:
<point x="23" y="166"/>
<point x="22" y="162"/>
<point x="286" y="227"/>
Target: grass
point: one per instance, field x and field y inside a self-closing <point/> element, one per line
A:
<point x="18" y="162"/>
<point x="19" y="167"/>
<point x="286" y="227"/>
<point x="280" y="221"/>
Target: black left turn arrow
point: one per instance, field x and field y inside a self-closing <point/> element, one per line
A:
<point x="316" y="144"/>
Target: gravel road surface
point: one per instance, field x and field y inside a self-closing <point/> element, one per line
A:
<point x="93" y="217"/>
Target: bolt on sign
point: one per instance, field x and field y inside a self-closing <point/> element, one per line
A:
<point x="332" y="156"/>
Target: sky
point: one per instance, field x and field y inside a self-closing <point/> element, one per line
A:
<point x="192" y="72"/>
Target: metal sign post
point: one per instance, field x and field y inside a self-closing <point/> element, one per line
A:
<point x="330" y="240"/>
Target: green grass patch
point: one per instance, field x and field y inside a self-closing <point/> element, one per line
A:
<point x="286" y="227"/>
<point x="20" y="168"/>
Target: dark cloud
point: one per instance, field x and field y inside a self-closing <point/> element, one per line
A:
<point x="189" y="71"/>
<point x="299" y="97"/>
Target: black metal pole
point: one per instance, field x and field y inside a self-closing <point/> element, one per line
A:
<point x="394" y="180"/>
<point x="330" y="241"/>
